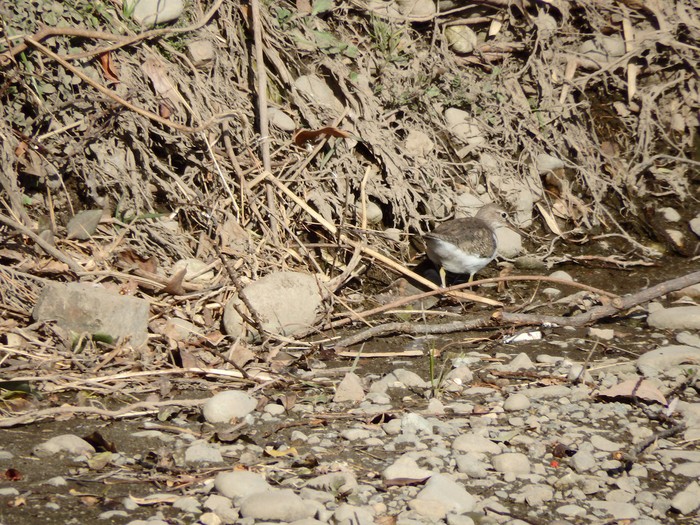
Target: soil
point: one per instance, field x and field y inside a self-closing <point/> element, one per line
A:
<point x="585" y="148"/>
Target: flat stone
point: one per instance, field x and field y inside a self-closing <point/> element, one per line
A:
<point x="688" y="500"/>
<point x="276" y="505"/>
<point x="240" y="484"/>
<point x="69" y="443"/>
<point x="677" y="318"/>
<point x="349" y="389"/>
<point x="151" y="12"/>
<point x="655" y="362"/>
<point x="511" y="463"/>
<point x="82" y="307"/>
<point x="286" y="302"/>
<point x="475" y="443"/>
<point x="226" y="406"/>
<point x="449" y="492"/>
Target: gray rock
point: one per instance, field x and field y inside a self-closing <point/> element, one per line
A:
<point x="475" y="443"/>
<point x="349" y="389"/>
<point x="187" y="504"/>
<point x="226" y="406"/>
<point x="201" y="52"/>
<point x="695" y="225"/>
<point x="412" y="423"/>
<point x="583" y="461"/>
<point x="571" y="511"/>
<point x="286" y="302"/>
<point x="618" y="510"/>
<point x="347" y="514"/>
<point x="69" y="443"/>
<point x="516" y="402"/>
<point x="276" y="505"/>
<point x="240" y="484"/>
<point x="151" y="12"/>
<point x="535" y="495"/>
<point x="676" y="318"/>
<point x="604" y="334"/>
<point x="511" y="463"/>
<point x="688" y="500"/>
<point x="603" y="444"/>
<point x="472" y="466"/>
<point x="509" y="242"/>
<point x="430" y="510"/>
<point x="203" y="453"/>
<point x="450" y="493"/>
<point x="83" y="307"/>
<point x="658" y="361"/>
<point x="403" y="469"/>
<point x="222" y="507"/>
<point x="341" y="482"/>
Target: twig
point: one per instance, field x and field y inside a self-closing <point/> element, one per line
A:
<point x="256" y="320"/>
<point x="502" y="317"/>
<point x="413" y="298"/>
<point x="121" y="41"/>
<point x="134" y="410"/>
<point x="111" y="94"/>
<point x="599" y="312"/>
<point x="413" y="328"/>
<point x="261" y="74"/>
<point x="47" y="247"/>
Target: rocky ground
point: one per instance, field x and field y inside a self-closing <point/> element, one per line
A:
<point x="216" y="307"/>
<point x="557" y="427"/>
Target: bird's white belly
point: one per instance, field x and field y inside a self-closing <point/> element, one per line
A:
<point x="454" y="260"/>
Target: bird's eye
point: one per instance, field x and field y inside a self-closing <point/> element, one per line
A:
<point x="504" y="215"/>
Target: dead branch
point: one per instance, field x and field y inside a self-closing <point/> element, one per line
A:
<point x="502" y="318"/>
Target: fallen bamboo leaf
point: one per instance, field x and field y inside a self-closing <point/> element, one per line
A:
<point x="305" y="135"/>
<point x="107" y="68"/>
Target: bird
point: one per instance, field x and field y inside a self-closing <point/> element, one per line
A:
<point x="465" y="245"/>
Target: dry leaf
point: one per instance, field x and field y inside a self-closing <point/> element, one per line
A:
<point x="174" y="286"/>
<point x="84" y="224"/>
<point x="107" y="67"/>
<point x="635" y="388"/>
<point x="162" y="85"/>
<point x="130" y="257"/>
<point x="305" y="135"/>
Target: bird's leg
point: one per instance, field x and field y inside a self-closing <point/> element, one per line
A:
<point x="443" y="277"/>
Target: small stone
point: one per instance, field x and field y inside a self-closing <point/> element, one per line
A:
<point x="227" y="406"/>
<point x="404" y="468"/>
<point x="475" y="443"/>
<point x="516" y="402"/>
<point x="201" y="52"/>
<point x="583" y="461"/>
<point x="450" y="493"/>
<point x="349" y="389"/>
<point x="601" y="333"/>
<point x="69" y="443"/>
<point x="676" y="318"/>
<point x="688" y="500"/>
<point x="511" y="463"/>
<point x="203" y="453"/>
<point x="151" y="12"/>
<point x="276" y="505"/>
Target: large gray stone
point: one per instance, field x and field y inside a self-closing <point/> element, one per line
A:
<point x="82" y="307"/>
<point x="287" y="303"/>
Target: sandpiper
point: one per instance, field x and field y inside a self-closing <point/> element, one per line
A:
<point x="465" y="245"/>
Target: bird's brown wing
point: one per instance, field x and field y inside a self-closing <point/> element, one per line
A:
<point x="473" y="235"/>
